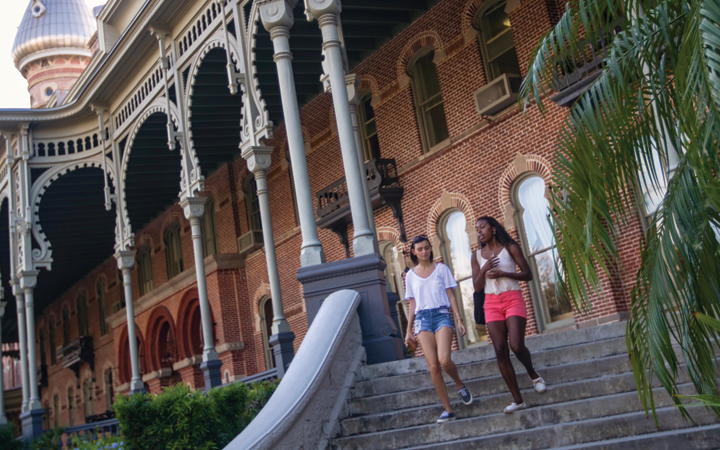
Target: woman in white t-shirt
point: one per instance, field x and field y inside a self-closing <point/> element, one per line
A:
<point x="429" y="292"/>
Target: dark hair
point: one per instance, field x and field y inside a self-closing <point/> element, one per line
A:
<point x="417" y="240"/>
<point x="502" y="236"/>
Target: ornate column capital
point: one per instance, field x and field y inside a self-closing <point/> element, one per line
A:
<point x="277" y="13"/>
<point x="258" y="158"/>
<point x="314" y="9"/>
<point x="193" y="207"/>
<point x="28" y="279"/>
<point x="125" y="259"/>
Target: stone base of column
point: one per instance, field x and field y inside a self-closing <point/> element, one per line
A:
<point x="212" y="374"/>
<point x="32" y="423"/>
<point x="365" y="275"/>
<point x="283" y="350"/>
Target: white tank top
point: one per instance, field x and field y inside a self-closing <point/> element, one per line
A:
<point x="500" y="285"/>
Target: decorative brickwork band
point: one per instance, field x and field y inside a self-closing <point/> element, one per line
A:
<point x="449" y="201"/>
<point x="522" y="164"/>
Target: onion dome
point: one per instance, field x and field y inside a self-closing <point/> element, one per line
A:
<point x="53" y="27"/>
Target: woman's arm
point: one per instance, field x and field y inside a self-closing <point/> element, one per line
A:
<point x="456" y="310"/>
<point x="478" y="274"/>
<point x="411" y="321"/>
<point x="524" y="275"/>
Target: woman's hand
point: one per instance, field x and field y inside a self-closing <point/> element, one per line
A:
<point x="495" y="273"/>
<point x="409" y="338"/>
<point x="490" y="264"/>
<point x="461" y="327"/>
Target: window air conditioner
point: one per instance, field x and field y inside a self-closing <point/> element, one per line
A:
<point x="250" y="241"/>
<point x="498" y="94"/>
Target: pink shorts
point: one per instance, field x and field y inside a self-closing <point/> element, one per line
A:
<point x="502" y="306"/>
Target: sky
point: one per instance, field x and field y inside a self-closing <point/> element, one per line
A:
<point x="13" y="87"/>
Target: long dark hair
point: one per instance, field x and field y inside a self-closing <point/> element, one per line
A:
<point x="501" y="234"/>
<point x="416" y="240"/>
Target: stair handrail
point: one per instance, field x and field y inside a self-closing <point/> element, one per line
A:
<point x="305" y="409"/>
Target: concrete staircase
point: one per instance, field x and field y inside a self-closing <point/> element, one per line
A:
<point x="590" y="403"/>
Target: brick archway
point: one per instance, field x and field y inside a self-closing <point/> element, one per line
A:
<point x="521" y="164"/>
<point x="189" y="326"/>
<point x="161" y="327"/>
<point x="124" y="367"/>
<point x="420" y="40"/>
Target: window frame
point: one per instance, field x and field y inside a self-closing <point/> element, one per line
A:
<point x="53" y="341"/>
<point x="101" y="288"/>
<point x="66" y="325"/>
<point x="362" y="118"/>
<point x="145" y="272"/>
<point x="394" y="282"/>
<point x="542" y="311"/>
<point x="423" y="106"/>
<point x="209" y="229"/>
<point x="446" y="252"/>
<point x="266" y="333"/>
<point x="252" y="204"/>
<point x="173" y="250"/>
<point x="481" y="13"/>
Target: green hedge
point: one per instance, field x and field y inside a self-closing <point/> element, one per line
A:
<point x="179" y="419"/>
<point x="7" y="436"/>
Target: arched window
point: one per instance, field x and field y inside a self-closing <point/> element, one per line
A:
<point x="252" y="203"/>
<point x="121" y="284"/>
<point x="66" y="325"/>
<point x="368" y="129"/>
<point x="455" y="246"/>
<point x="428" y="99"/>
<point x="88" y="398"/>
<point x="496" y="40"/>
<point x="82" y="315"/>
<point x="56" y="410"/>
<point x="394" y="282"/>
<point x="209" y="229"/>
<point x="109" y="389"/>
<point x="266" y="318"/>
<point x="538" y="243"/>
<point x="71" y="406"/>
<point x="191" y="332"/>
<point x="145" y="272"/>
<point x="102" y="307"/>
<point x="53" y="358"/>
<point x="173" y="250"/>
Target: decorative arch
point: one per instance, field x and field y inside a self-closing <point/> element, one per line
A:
<point x="391" y="234"/>
<point x="420" y="40"/>
<point x="42" y="256"/>
<point x="468" y="15"/>
<point x="261" y="293"/>
<point x="169" y="219"/>
<point x="217" y="40"/>
<point x="124" y="368"/>
<point x="521" y="164"/>
<point x="368" y="83"/>
<point x="159" y="324"/>
<point x="446" y="202"/>
<point x="157" y="106"/>
<point x="189" y="325"/>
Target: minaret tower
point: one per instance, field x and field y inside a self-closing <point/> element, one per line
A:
<point x="51" y="47"/>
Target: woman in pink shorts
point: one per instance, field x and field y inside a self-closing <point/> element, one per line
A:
<point x="494" y="270"/>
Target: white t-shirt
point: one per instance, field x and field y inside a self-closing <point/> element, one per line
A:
<point x="430" y="292"/>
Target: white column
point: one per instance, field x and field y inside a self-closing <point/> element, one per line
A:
<point x="327" y="14"/>
<point x="126" y="262"/>
<point x="22" y="338"/>
<point x="258" y="161"/>
<point x="352" y="82"/>
<point x="28" y="282"/>
<point x="277" y="18"/>
<point x="3" y="419"/>
<point x="194" y="208"/>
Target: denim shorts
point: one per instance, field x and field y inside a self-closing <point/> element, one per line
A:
<point x="433" y="320"/>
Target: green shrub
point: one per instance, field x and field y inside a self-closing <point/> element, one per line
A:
<point x="105" y="443"/>
<point x="48" y="440"/>
<point x="7" y="437"/>
<point x="179" y="419"/>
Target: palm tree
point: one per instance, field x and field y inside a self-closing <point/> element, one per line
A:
<point x="655" y="105"/>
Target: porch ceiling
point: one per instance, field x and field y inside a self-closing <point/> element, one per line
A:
<point x="367" y="25"/>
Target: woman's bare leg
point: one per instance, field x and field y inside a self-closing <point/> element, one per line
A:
<point x="443" y="339"/>
<point x="429" y="347"/>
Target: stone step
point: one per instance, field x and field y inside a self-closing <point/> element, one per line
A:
<point x="554" y="376"/>
<point x="483" y="353"/>
<point x="695" y="438"/>
<point x="423" y="415"/>
<point x="489" y="367"/>
<point x="490" y="422"/>
<point x="583" y="434"/>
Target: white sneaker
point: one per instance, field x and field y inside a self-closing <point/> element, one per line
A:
<point x="539" y="385"/>
<point x="512" y="407"/>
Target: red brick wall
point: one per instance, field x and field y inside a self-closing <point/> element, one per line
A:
<point x="471" y="166"/>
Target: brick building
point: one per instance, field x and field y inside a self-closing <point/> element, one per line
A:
<point x="435" y="88"/>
